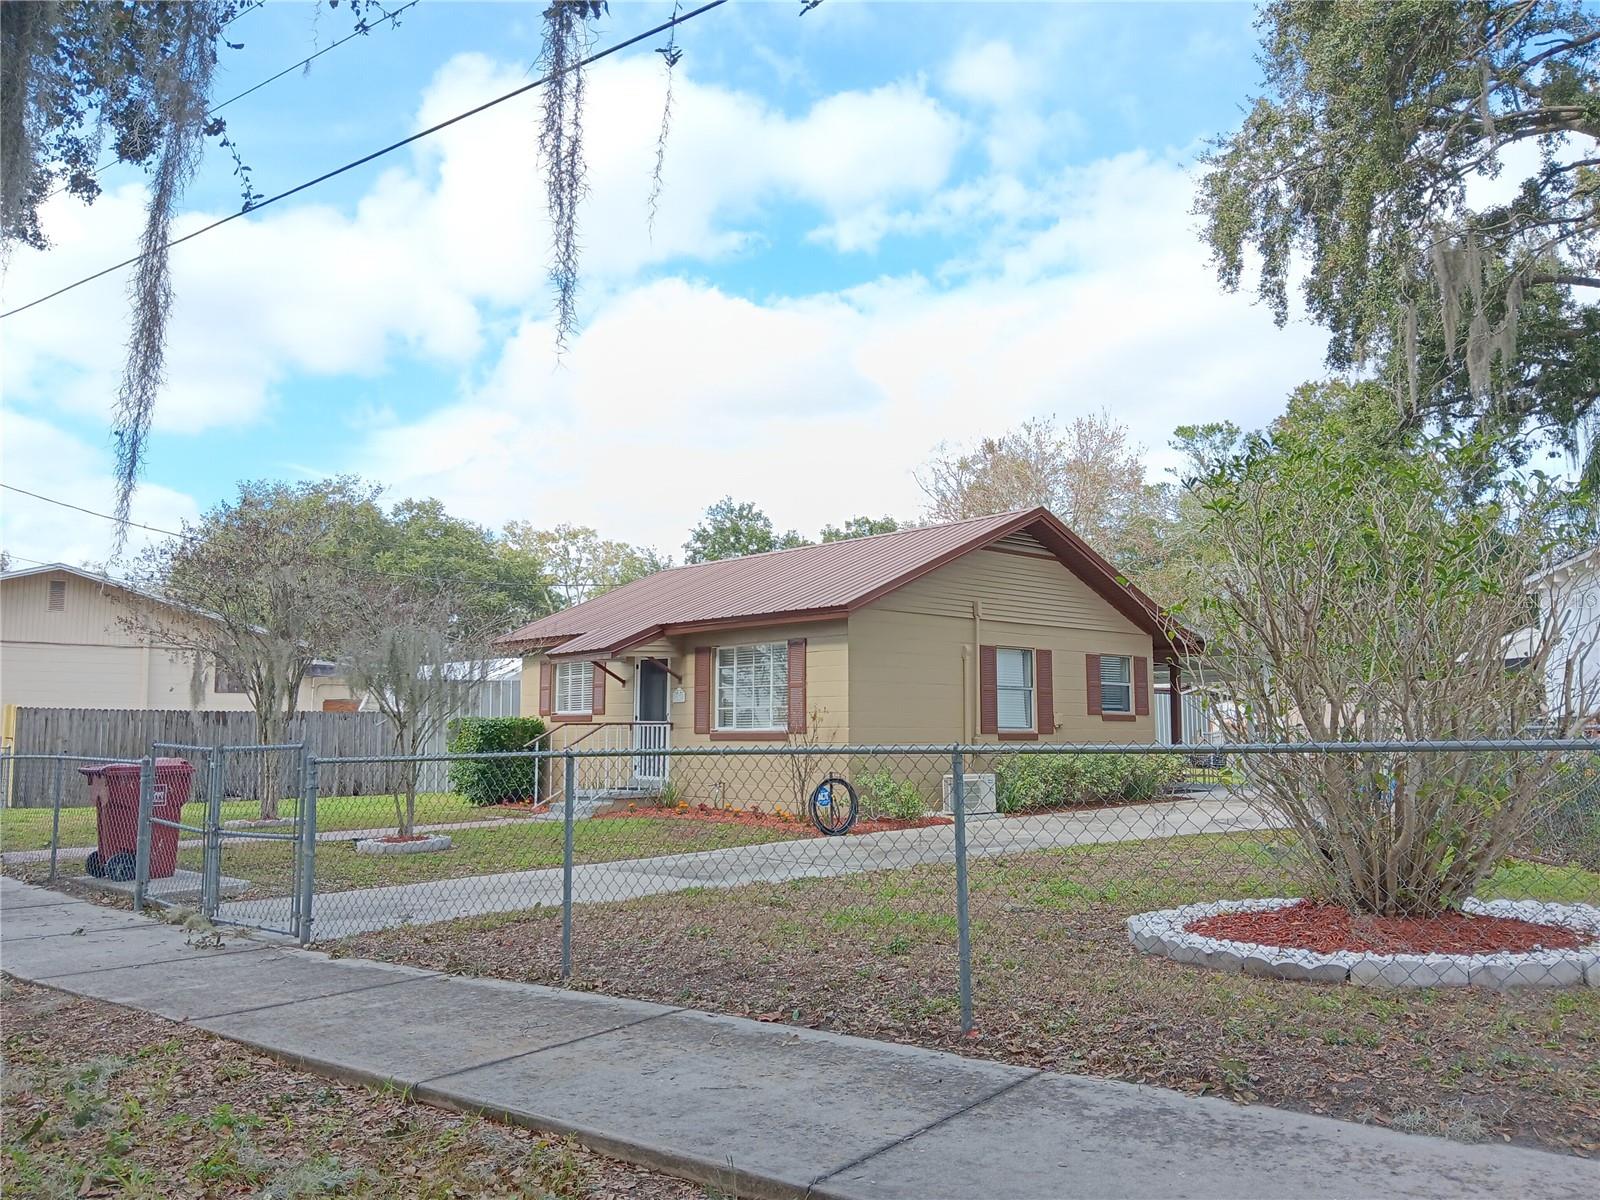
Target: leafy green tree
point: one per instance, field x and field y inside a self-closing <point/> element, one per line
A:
<point x="1352" y="593"/>
<point x="495" y="581"/>
<point x="859" y="527"/>
<point x="271" y="573"/>
<point x="730" y="530"/>
<point x="581" y="563"/>
<point x="1358" y="163"/>
<point x="135" y="77"/>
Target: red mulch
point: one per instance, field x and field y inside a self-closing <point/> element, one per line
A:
<point x="737" y="816"/>
<point x="1325" y="928"/>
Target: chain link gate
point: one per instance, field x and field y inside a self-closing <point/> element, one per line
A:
<point x="234" y="844"/>
<point x="260" y="866"/>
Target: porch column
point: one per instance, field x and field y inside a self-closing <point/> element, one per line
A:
<point x="1175" y="702"/>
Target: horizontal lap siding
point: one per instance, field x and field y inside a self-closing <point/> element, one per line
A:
<point x="907" y="682"/>
<point x="827" y="678"/>
<point x="827" y="685"/>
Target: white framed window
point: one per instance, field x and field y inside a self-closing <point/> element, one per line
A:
<point x="753" y="687"/>
<point x="1116" y="683"/>
<point x="225" y="682"/>
<point x="1013" y="689"/>
<point x="574" y="687"/>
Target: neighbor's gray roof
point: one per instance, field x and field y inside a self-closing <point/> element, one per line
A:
<point x="823" y="581"/>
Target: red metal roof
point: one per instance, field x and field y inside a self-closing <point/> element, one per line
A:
<point x="822" y="581"/>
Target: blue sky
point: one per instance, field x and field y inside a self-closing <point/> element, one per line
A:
<point x="884" y="226"/>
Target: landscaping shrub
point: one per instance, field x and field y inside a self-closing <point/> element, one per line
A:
<point x="1038" y="781"/>
<point x="495" y="780"/>
<point x="885" y="798"/>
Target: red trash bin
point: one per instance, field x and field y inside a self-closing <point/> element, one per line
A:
<point x="114" y="791"/>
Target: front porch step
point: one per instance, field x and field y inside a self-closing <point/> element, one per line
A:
<point x="591" y="800"/>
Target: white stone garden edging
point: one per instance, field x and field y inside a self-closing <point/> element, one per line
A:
<point x="1163" y="933"/>
<point x="420" y="846"/>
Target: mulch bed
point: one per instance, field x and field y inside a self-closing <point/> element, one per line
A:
<point x="1326" y="928"/>
<point x="737" y="816"/>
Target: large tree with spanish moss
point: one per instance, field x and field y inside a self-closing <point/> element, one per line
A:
<point x="1362" y="166"/>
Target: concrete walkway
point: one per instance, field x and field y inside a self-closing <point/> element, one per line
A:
<point x="743" y="1106"/>
<point x="340" y="914"/>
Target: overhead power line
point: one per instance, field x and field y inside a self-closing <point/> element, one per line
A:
<point x="372" y="572"/>
<point x="360" y="31"/>
<point x="389" y="149"/>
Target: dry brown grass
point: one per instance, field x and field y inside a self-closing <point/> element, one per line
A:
<point x="1058" y="985"/>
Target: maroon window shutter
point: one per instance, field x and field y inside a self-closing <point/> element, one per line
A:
<point x="597" y="704"/>
<point x="1044" y="692"/>
<point x="547" y="687"/>
<point x="1092" y="682"/>
<point x="797" y="685"/>
<point x="988" y="700"/>
<point x="1141" y="687"/>
<point x="702" y="689"/>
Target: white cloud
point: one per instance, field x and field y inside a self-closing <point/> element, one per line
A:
<point x="439" y="242"/>
<point x="992" y="73"/>
<point x="1087" y="289"/>
<point x="819" y="407"/>
<point x="42" y="458"/>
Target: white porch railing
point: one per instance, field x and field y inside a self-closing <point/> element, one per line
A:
<point x="638" y="760"/>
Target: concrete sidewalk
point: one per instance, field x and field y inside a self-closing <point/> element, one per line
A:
<point x="760" y="1109"/>
<point x="340" y="914"/>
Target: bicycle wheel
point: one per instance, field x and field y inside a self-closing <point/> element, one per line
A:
<point x="834" y="806"/>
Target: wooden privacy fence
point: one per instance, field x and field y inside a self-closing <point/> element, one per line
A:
<point x="127" y="733"/>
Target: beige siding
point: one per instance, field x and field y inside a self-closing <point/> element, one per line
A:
<point x="913" y="664"/>
<point x="83" y="657"/>
<point x="738" y="782"/>
<point x="827" y="679"/>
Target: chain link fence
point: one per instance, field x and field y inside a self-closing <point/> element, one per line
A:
<point x="938" y="880"/>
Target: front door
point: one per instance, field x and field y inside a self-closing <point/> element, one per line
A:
<point x="650" y="721"/>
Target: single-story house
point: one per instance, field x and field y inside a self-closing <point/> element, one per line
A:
<point x="64" y="643"/>
<point x="1001" y="628"/>
<point x="1569" y="608"/>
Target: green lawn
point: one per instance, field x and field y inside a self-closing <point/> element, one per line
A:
<point x="517" y="846"/>
<point x="1057" y="984"/>
<point x="29" y="828"/>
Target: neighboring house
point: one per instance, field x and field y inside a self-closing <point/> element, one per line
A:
<point x="1003" y="628"/>
<point x="1569" y="604"/>
<point x="63" y="644"/>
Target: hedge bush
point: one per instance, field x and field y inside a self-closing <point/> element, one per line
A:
<point x="495" y="781"/>
<point x="885" y="798"/>
<point x="1031" y="782"/>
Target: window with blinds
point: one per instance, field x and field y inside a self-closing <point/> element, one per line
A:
<point x="1013" y="690"/>
<point x="58" y="596"/>
<point x="1116" y="683"/>
<point x="574" y="687"/>
<point x="753" y="687"/>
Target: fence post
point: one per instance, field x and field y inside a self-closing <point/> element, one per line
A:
<point x="958" y="795"/>
<point x="55" y="811"/>
<point x="211" y="861"/>
<point x="141" y="854"/>
<point x="308" y="847"/>
<point x="570" y="795"/>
